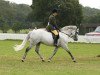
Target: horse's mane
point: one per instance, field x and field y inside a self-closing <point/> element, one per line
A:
<point x="69" y="27"/>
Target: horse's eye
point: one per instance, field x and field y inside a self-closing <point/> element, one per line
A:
<point x="77" y="32"/>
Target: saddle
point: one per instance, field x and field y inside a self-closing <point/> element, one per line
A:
<point x="53" y="35"/>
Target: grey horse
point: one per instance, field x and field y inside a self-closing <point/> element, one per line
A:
<point x="38" y="36"/>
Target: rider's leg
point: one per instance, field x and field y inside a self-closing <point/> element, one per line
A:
<point x="56" y="36"/>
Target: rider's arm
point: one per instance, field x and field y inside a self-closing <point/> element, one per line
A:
<point x="53" y="22"/>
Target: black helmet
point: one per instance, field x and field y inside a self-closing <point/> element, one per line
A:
<point x="54" y="11"/>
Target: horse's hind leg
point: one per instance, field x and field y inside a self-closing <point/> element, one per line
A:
<point x="37" y="51"/>
<point x="66" y="48"/>
<point x="27" y="50"/>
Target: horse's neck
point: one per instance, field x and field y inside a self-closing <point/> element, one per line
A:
<point x="67" y="31"/>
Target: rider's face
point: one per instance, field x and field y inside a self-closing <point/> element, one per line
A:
<point x="55" y="14"/>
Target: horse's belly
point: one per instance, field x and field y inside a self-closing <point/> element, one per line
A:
<point x="48" y="40"/>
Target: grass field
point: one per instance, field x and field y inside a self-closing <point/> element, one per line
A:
<point x="85" y="54"/>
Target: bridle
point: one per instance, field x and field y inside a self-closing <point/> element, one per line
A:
<point x="66" y="34"/>
<point x="71" y="34"/>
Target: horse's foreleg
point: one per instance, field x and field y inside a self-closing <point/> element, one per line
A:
<point x="54" y="52"/>
<point x="67" y="50"/>
<point x="37" y="51"/>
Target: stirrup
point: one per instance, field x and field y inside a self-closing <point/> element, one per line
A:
<point x="56" y="45"/>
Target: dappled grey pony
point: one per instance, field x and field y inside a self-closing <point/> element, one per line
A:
<point x="38" y="36"/>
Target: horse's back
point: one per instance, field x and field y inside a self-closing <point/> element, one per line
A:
<point x="41" y="32"/>
<point x="41" y="35"/>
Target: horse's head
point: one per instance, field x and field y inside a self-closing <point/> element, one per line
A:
<point x="74" y="34"/>
<point x="71" y="31"/>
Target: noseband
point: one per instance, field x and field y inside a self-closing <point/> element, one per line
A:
<point x="71" y="34"/>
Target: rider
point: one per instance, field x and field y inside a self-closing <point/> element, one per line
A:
<point x="52" y="26"/>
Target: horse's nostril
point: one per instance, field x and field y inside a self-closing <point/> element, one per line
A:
<point x="75" y="39"/>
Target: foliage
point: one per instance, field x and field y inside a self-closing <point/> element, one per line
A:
<point x="95" y="19"/>
<point x="16" y="27"/>
<point x="70" y="11"/>
<point x="4" y="25"/>
<point x="12" y="13"/>
<point x="91" y="15"/>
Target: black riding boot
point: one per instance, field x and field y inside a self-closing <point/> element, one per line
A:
<point x="55" y="40"/>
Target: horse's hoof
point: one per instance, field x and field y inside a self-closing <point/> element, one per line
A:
<point x="22" y="60"/>
<point x="74" y="61"/>
<point x="49" y="60"/>
<point x="98" y="55"/>
<point x="43" y="60"/>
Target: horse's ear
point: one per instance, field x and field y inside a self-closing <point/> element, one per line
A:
<point x="77" y="30"/>
<point x="35" y="28"/>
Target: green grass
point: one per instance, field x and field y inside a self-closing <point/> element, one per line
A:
<point x="85" y="54"/>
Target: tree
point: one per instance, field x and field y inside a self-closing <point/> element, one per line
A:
<point x="11" y="12"/>
<point x="4" y="25"/>
<point x="70" y="11"/>
<point x="16" y="27"/>
<point x="91" y="15"/>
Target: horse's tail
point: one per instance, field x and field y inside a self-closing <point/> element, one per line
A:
<point x="21" y="46"/>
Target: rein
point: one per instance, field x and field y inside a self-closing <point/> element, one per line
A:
<point x="66" y="34"/>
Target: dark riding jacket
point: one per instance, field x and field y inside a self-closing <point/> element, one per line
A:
<point x="52" y="24"/>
